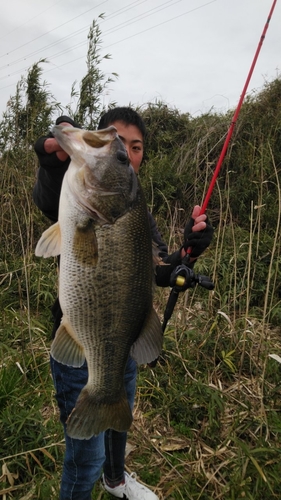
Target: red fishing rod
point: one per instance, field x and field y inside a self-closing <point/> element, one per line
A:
<point x="183" y="277"/>
<point x="233" y="122"/>
<point x="235" y="116"/>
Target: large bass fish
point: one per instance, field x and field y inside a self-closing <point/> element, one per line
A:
<point x="105" y="279"/>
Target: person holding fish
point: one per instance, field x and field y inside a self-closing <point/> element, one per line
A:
<point x="104" y="320"/>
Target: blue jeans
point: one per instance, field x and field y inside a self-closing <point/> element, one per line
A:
<point x="84" y="459"/>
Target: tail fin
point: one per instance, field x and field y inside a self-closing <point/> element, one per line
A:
<point x="93" y="414"/>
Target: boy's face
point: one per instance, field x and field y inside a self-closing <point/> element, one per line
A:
<point x="132" y="138"/>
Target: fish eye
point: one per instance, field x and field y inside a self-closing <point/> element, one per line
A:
<point x="122" y="156"/>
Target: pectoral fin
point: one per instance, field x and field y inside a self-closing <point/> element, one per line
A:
<point x="148" y="345"/>
<point x="65" y="348"/>
<point x="49" y="244"/>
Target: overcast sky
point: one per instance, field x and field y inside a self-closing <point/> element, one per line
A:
<point x="194" y="55"/>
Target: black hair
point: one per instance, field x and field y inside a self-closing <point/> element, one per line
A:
<point x="123" y="114"/>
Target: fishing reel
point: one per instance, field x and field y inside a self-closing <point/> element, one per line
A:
<point x="183" y="278"/>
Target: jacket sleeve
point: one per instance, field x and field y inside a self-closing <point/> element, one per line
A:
<point x="157" y="238"/>
<point x="46" y="192"/>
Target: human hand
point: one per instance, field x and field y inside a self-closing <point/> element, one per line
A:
<point x="51" y="145"/>
<point x="198" y="233"/>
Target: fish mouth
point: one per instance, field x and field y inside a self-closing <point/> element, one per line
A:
<point x="75" y="140"/>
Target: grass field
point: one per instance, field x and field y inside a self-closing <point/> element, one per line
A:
<point x="207" y="420"/>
